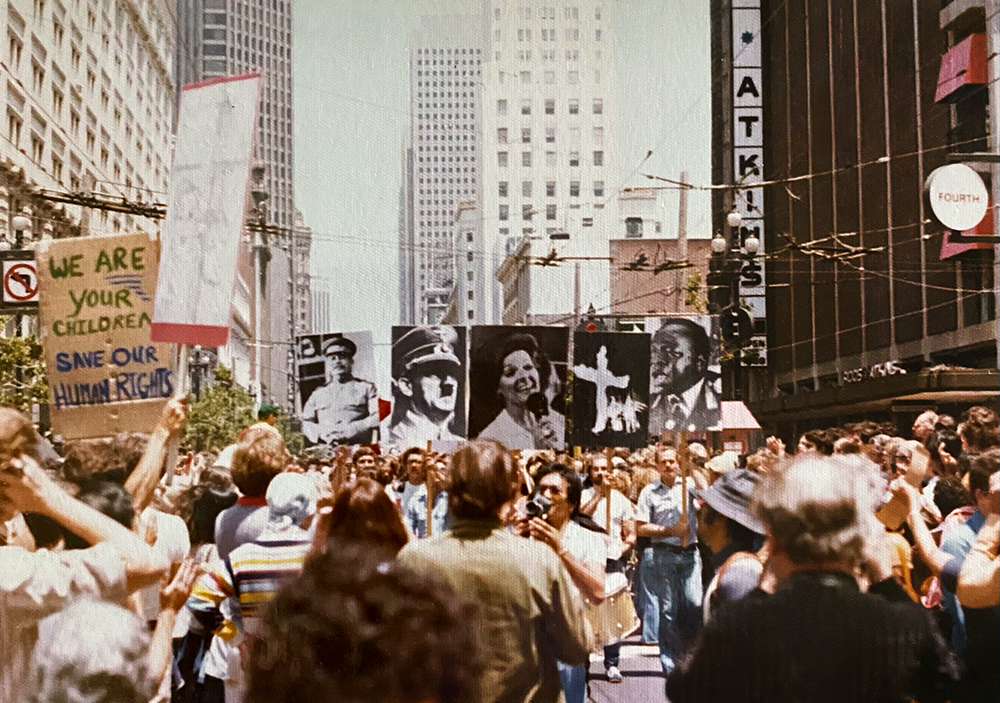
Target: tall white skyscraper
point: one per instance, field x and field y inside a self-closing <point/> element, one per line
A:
<point x="549" y="150"/>
<point x="441" y="164"/>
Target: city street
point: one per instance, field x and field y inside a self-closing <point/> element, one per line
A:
<point x="643" y="680"/>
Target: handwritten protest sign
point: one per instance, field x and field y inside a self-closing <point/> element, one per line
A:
<point x="96" y="310"/>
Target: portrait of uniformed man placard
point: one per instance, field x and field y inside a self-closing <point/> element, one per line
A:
<point x="685" y="379"/>
<point x="428" y="386"/>
<point x="610" y="389"/>
<point x="339" y="401"/>
<point x="517" y="378"/>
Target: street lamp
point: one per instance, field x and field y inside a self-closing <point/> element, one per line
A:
<point x="198" y="363"/>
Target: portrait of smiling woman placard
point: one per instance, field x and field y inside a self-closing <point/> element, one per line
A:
<point x="518" y="384"/>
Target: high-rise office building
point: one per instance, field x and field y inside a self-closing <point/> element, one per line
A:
<point x="232" y="37"/>
<point x="550" y="153"/>
<point x="89" y="94"/>
<point x="441" y="160"/>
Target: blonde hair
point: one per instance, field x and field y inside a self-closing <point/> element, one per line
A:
<point x="258" y="459"/>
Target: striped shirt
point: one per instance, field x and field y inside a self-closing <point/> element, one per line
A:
<point x="252" y="573"/>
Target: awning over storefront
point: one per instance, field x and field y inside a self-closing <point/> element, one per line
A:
<point x="871" y="395"/>
<point x="963" y="67"/>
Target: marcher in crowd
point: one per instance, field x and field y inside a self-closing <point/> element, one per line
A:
<point x="532" y="615"/>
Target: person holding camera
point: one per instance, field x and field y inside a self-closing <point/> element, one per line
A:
<point x="531" y="616"/>
<point x="554" y="517"/>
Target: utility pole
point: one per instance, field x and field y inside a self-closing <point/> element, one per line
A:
<point x="993" y="52"/>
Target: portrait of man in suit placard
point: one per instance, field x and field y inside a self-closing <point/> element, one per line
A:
<point x="685" y="380"/>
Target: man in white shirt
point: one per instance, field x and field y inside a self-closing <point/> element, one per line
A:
<point x="614" y="512"/>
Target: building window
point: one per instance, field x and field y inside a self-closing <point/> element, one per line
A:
<point x="501" y="107"/>
<point x="574" y="189"/>
<point x="37" y="76"/>
<point x="550" y="211"/>
<point x="597" y="13"/>
<point x="526" y="158"/>
<point x="598" y="135"/>
<point x="14" y="46"/>
<point x="57" y="168"/>
<point x="525" y="77"/>
<point x="526" y="189"/>
<point x="573" y="77"/>
<point x="503" y="189"/>
<point x="504" y="212"/>
<point x="502" y="135"/>
<point x="550" y="107"/>
<point x="37" y="148"/>
<point x="574" y="106"/>
<point x="598" y="35"/>
<point x="526" y="106"/>
<point x="598" y="158"/>
<point x="14" y="123"/>
<point x="526" y="212"/>
<point x="633" y="228"/>
<point x="550" y="77"/>
<point x="598" y="106"/>
<point x="574" y="158"/>
<point x="550" y="189"/>
<point x="501" y="158"/>
<point x="526" y="135"/>
<point x="550" y="135"/>
<point x="599" y="189"/>
<point x="550" y="158"/>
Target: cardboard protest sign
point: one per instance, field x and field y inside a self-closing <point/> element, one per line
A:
<point x="339" y="401"/>
<point x="96" y="310"/>
<point x="518" y="385"/>
<point x="610" y="389"/>
<point x="205" y="210"/>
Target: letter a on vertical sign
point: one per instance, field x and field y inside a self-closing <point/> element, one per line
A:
<point x="205" y="210"/>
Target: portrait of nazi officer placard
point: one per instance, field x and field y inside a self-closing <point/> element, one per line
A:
<point x="428" y="385"/>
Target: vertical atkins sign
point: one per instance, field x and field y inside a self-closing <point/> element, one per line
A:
<point x="748" y="165"/>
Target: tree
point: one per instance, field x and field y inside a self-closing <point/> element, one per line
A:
<point x="22" y="373"/>
<point x="692" y="292"/>
<point x="224" y="410"/>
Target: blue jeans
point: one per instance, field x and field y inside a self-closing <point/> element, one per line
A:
<point x="673" y="580"/>
<point x="574" y="682"/>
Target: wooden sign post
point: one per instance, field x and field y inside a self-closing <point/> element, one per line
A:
<point x="429" y="481"/>
<point x="610" y="454"/>
<point x="684" y="459"/>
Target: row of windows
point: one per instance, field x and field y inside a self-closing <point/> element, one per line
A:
<point x="569" y="34"/>
<point x="550" y="189"/>
<point x="550" y="135"/>
<point x="548" y="12"/>
<point x="528" y="212"/>
<point x="550" y="158"/>
<point x="572" y="77"/>
<point x="572" y="105"/>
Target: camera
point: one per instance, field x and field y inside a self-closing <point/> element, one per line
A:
<point x="538" y="506"/>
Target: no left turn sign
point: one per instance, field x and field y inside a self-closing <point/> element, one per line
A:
<point x="20" y="282"/>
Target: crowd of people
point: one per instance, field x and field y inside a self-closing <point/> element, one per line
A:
<point x="862" y="566"/>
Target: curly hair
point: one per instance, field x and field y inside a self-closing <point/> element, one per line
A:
<point x="110" y="458"/>
<point x="820" y="509"/>
<point x="355" y="628"/>
<point x="363" y="513"/>
<point x="256" y="461"/>
<point x="979" y="428"/>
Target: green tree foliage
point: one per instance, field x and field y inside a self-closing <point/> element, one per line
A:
<point x="22" y="373"/>
<point x="295" y="441"/>
<point x="692" y="292"/>
<point x="216" y="420"/>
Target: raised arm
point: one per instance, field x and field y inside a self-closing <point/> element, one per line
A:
<point x="142" y="482"/>
<point x="25" y="487"/>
